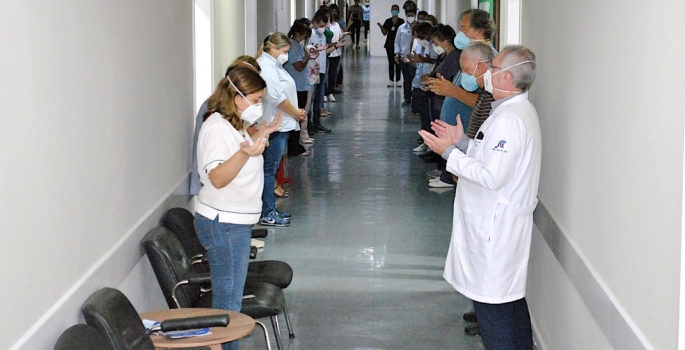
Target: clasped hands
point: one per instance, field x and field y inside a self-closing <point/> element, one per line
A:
<point x="440" y="85"/>
<point x="445" y="135"/>
<point x="261" y="136"/>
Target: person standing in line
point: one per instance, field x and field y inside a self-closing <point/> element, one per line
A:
<point x="492" y="226"/>
<point x="229" y="156"/>
<point x="366" y="19"/>
<point x="403" y="46"/>
<point x="335" y="56"/>
<point x="298" y="58"/>
<point x="280" y="97"/>
<point x="318" y="40"/>
<point x="343" y="27"/>
<point x="389" y="30"/>
<point x="195" y="182"/>
<point x="354" y="18"/>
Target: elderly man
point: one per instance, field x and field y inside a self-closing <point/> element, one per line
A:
<point x="499" y="172"/>
<point x="474" y="62"/>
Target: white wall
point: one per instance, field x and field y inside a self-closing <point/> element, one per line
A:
<point x="97" y="118"/>
<point x="229" y="35"/>
<point x="609" y="94"/>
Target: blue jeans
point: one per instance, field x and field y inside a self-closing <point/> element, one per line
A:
<point x="505" y="326"/>
<point x="228" y="250"/>
<point x="272" y="159"/>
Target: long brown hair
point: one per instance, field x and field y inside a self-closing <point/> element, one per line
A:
<point x="223" y="99"/>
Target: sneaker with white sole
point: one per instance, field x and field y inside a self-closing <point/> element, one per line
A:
<point x="331" y="98"/>
<point x="283" y="214"/>
<point x="325" y="98"/>
<point x="398" y="84"/>
<point x="391" y="83"/>
<point x="274" y="220"/>
<point x="421" y="148"/>
<point x="439" y="184"/>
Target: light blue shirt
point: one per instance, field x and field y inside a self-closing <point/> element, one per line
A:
<point x="296" y="54"/>
<point x="280" y="86"/>
<point x="403" y="40"/>
<point x="367" y="12"/>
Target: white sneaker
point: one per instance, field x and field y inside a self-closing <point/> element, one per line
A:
<point x="391" y="83"/>
<point x="325" y="99"/>
<point x="398" y="84"/>
<point x="439" y="184"/>
<point x="421" y="148"/>
<point x="331" y="98"/>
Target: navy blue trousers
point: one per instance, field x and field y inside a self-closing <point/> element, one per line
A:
<point x="505" y="326"/>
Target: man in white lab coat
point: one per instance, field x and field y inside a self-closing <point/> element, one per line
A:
<point x="499" y="172"/>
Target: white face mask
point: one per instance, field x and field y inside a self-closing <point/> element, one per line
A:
<point x="253" y="113"/>
<point x="438" y="49"/>
<point x="411" y="20"/>
<point x="321" y="30"/>
<point x="487" y="77"/>
<point x="423" y="42"/>
<point x="282" y="58"/>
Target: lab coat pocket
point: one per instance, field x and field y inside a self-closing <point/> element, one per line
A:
<point x="486" y="224"/>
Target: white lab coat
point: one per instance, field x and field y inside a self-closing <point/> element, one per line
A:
<point x="493" y="207"/>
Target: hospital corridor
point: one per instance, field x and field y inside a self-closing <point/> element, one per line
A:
<point x="101" y="99"/>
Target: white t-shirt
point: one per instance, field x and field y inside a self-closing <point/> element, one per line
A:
<point x="337" y="35"/>
<point x="317" y="39"/>
<point x="239" y="202"/>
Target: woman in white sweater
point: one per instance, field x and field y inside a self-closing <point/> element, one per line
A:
<point x="230" y="163"/>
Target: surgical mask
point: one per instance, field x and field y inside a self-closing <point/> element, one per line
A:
<point x="395" y="13"/>
<point x="438" y="49"/>
<point x="411" y="20"/>
<point x="423" y="42"/>
<point x="487" y="77"/>
<point x="251" y="114"/>
<point x="461" y="40"/>
<point x="282" y="58"/>
<point x="366" y="3"/>
<point x="469" y="81"/>
<point x="321" y="30"/>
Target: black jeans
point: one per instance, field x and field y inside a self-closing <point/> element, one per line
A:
<point x="408" y="72"/>
<point x="394" y="70"/>
<point x="505" y="326"/>
<point x="355" y="28"/>
<point x="333" y="68"/>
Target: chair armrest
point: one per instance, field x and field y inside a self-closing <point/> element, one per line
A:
<point x="202" y="279"/>
<point x="181" y="324"/>
<point x="259" y="233"/>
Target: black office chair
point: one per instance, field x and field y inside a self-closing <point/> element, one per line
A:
<point x="183" y="287"/>
<point x="112" y="315"/>
<point x="82" y="337"/>
<point x="181" y="222"/>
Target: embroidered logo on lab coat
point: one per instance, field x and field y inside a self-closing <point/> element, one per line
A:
<point x="500" y="147"/>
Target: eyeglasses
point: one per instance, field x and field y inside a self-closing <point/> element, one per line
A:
<point x="491" y="66"/>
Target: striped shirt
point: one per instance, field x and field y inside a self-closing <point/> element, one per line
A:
<point x="481" y="111"/>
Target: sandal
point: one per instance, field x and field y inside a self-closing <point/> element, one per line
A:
<point x="280" y="192"/>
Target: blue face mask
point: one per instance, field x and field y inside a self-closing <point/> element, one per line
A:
<point x="468" y="81"/>
<point x="395" y="13"/>
<point x="461" y="40"/>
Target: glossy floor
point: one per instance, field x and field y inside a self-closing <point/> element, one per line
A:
<point x="368" y="238"/>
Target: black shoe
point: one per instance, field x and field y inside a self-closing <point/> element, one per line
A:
<point x="472" y="330"/>
<point x="406" y="103"/>
<point x="419" y="140"/>
<point x="322" y="130"/>
<point x="470" y="317"/>
<point x="430" y="157"/>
